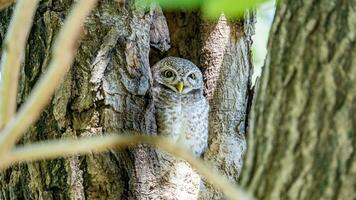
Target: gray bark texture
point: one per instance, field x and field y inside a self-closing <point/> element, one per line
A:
<point x="107" y="91"/>
<point x="302" y="140"/>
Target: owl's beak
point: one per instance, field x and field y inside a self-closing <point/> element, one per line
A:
<point x="179" y="87"/>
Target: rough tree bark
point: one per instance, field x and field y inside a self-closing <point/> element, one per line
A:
<point x="302" y="139"/>
<point x="226" y="57"/>
<point x="106" y="91"/>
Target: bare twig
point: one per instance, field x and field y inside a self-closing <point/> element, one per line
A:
<point x="5" y="3"/>
<point x="67" y="147"/>
<point x="13" y="54"/>
<point x="63" y="55"/>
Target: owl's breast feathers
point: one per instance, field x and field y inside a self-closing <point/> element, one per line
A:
<point x="167" y="97"/>
<point x="183" y="118"/>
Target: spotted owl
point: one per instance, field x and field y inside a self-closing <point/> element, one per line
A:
<point x="182" y="116"/>
<point x="181" y="108"/>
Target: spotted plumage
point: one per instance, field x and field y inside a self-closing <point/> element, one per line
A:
<point x="182" y="116"/>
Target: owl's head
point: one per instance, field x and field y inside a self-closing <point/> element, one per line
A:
<point x="177" y="75"/>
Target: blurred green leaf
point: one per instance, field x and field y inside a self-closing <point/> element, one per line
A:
<point x="231" y="8"/>
<point x="175" y="4"/>
<point x="210" y="8"/>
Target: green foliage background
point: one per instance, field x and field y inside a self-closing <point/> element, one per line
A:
<point x="210" y="8"/>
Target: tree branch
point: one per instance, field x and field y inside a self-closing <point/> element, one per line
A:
<point x="63" y="56"/>
<point x="13" y="54"/>
<point x="66" y="147"/>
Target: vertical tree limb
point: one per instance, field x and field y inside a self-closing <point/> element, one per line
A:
<point x="301" y="144"/>
<point x="226" y="58"/>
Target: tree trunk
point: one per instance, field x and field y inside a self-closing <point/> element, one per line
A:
<point x="301" y="144"/>
<point x="107" y="88"/>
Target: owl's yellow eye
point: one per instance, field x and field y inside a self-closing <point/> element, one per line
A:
<point x="192" y="76"/>
<point x="168" y="74"/>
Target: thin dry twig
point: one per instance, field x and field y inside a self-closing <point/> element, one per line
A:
<point x="5" y="3"/>
<point x="67" y="147"/>
<point x="63" y="56"/>
<point x="13" y="54"/>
